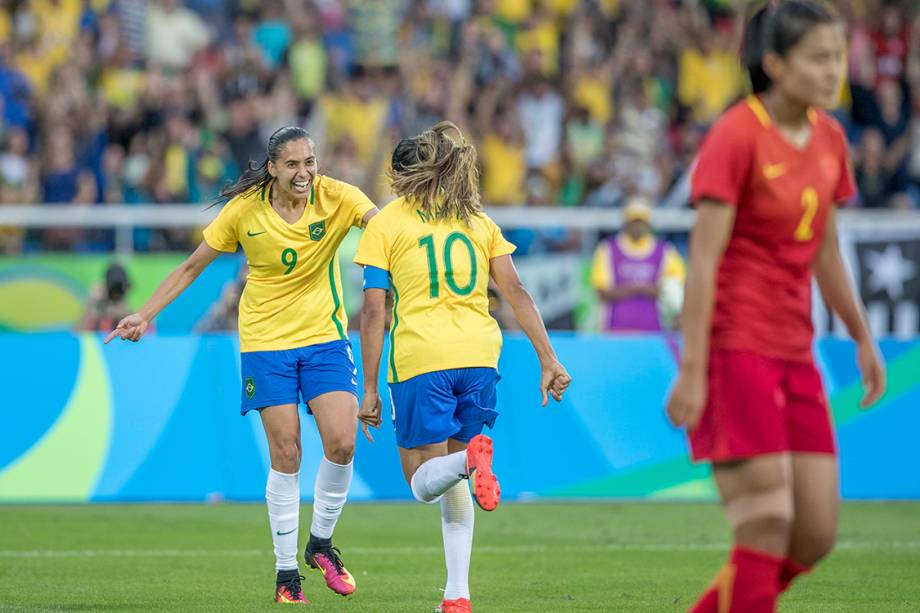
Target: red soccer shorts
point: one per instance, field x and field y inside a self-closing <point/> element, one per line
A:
<point x="758" y="405"/>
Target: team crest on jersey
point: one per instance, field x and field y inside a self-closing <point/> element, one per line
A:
<point x="250" y="388"/>
<point x="317" y="230"/>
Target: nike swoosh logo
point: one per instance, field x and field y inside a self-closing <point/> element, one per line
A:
<point x="251" y="233"/>
<point x="283" y="533"/>
<point x="774" y="171"/>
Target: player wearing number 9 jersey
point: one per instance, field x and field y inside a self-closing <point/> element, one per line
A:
<point x="766" y="183"/>
<point x="289" y="221"/>
<point x="435" y="250"/>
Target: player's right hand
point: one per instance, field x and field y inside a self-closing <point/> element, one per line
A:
<point x="685" y="406"/>
<point x="369" y="414"/>
<point x="131" y="328"/>
<point x="554" y="380"/>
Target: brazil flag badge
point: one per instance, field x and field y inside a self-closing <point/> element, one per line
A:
<point x="317" y="230"/>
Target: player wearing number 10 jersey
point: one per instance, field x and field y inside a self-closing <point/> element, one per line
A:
<point x="435" y="250"/>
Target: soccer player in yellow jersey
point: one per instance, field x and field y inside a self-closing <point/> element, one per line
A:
<point x="435" y="250"/>
<point x="290" y="222"/>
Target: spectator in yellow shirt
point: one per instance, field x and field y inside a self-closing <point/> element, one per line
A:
<point x="540" y="37"/>
<point x="357" y="113"/>
<point x="709" y="77"/>
<point x="504" y="166"/>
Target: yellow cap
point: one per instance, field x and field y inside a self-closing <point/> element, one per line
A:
<point x="637" y="209"/>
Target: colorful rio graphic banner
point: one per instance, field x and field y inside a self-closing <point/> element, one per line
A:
<point x="159" y="420"/>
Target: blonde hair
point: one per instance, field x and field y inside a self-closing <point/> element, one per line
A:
<point x="437" y="173"/>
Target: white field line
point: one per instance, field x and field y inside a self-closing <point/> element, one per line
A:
<point x="408" y="551"/>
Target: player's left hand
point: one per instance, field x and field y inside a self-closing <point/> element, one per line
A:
<point x="873" y="373"/>
<point x="369" y="414"/>
<point x="554" y="380"/>
<point x="687" y="400"/>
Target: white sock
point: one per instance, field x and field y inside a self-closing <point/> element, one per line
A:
<point x="282" y="493"/>
<point x="457" y="530"/>
<point x="438" y="475"/>
<point x="329" y="494"/>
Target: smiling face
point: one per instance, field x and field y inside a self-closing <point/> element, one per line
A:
<point x="294" y="169"/>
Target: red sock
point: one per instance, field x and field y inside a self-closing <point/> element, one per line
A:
<point x="748" y="584"/>
<point x="788" y="572"/>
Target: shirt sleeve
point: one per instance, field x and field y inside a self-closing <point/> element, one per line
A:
<point x="601" y="273"/>
<point x="498" y="244"/>
<point x="358" y="204"/>
<point x="374" y="246"/>
<point x="222" y="233"/>
<point x="723" y="166"/>
<point x="673" y="267"/>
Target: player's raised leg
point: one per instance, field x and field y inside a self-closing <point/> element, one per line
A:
<point x="335" y="414"/>
<point x="282" y="494"/>
<point x="757" y="498"/>
<point x="454" y="404"/>
<point x="816" y="498"/>
<point x="437" y="474"/>
<point x="431" y="470"/>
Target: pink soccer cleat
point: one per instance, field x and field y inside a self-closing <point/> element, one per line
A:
<point x="329" y="562"/>
<point x="287" y="588"/>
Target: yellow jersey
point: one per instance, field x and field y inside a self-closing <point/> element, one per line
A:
<point x="293" y="294"/>
<point x="439" y="276"/>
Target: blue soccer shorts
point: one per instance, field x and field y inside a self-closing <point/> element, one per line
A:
<point x="271" y="378"/>
<point x="435" y="406"/>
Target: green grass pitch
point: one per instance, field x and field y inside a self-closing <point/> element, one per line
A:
<point x="526" y="557"/>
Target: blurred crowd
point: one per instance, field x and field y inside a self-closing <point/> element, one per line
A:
<point x="571" y="103"/>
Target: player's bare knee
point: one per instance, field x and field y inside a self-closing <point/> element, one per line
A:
<point x="764" y="534"/>
<point x="340" y="450"/>
<point x="762" y="519"/>
<point x="286" y="454"/>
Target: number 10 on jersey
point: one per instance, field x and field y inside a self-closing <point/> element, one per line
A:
<point x="434" y="284"/>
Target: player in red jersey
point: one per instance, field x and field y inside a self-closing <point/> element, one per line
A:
<point x="766" y="184"/>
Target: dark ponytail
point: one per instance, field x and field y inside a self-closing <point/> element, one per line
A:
<point x="778" y="27"/>
<point x="256" y="176"/>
